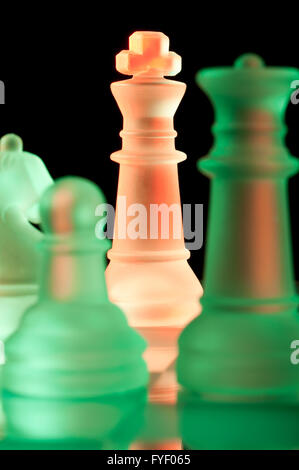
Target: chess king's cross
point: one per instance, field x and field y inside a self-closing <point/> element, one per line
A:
<point x="149" y="56"/>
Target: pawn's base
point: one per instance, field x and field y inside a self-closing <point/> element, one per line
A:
<point x="49" y="420"/>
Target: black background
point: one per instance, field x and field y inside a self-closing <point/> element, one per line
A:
<point x="57" y="66"/>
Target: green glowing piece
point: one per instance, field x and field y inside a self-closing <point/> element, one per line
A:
<point x="73" y="343"/>
<point x="23" y="179"/>
<point x="240" y="345"/>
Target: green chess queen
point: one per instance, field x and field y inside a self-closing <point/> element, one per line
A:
<point x="239" y="347"/>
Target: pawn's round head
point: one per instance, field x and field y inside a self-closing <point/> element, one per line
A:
<point x="249" y="60"/>
<point x="68" y="208"/>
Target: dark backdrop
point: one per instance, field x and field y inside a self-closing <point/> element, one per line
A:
<point x="57" y="66"/>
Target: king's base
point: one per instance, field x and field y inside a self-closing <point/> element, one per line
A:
<point x="160" y="357"/>
<point x="157" y="294"/>
<point x="160" y="324"/>
<point x="163" y="387"/>
<point x="208" y="424"/>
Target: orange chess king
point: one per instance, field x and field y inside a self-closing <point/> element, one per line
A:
<point x="149" y="277"/>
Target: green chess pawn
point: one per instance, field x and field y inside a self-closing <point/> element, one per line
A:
<point x="239" y="347"/>
<point x="73" y="343"/>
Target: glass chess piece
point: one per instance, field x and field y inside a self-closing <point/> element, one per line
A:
<point x="239" y="347"/>
<point x="73" y="343"/>
<point x="148" y="275"/>
<point x="23" y="178"/>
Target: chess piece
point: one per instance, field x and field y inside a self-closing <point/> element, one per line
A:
<point x="239" y="347"/>
<point x="23" y="178"/>
<point x="148" y="275"/>
<point x="73" y="343"/>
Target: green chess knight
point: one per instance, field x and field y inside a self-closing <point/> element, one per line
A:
<point x="239" y="347"/>
<point x="73" y="343"/>
<point x="23" y="179"/>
